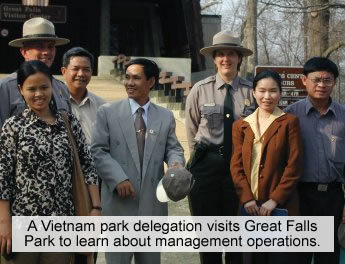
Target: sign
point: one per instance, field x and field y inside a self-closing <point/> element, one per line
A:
<point x="21" y="13"/>
<point x="292" y="86"/>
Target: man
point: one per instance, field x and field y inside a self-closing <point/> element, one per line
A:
<point x="212" y="106"/>
<point x="322" y="123"/>
<point x="38" y="43"/>
<point x="131" y="140"/>
<point x="77" y="66"/>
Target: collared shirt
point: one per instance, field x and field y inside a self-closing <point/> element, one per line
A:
<point x="323" y="139"/>
<point x="257" y="145"/>
<point x="36" y="164"/>
<point x="12" y="102"/>
<point x="86" y="112"/>
<point x="134" y="107"/>
<point x="205" y="108"/>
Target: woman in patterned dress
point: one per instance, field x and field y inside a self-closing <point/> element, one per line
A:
<point x="36" y="162"/>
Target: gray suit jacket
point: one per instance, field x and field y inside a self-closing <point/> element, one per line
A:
<point x="115" y="152"/>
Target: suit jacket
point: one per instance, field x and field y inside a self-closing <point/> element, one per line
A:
<point x="281" y="162"/>
<point x="115" y="152"/>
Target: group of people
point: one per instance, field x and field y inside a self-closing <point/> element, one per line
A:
<point x="291" y="159"/>
<point x="245" y="151"/>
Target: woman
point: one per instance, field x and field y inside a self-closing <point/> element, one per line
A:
<point x="267" y="159"/>
<point x="36" y="162"/>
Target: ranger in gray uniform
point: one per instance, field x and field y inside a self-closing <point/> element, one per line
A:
<point x="212" y="106"/>
<point x="38" y="43"/>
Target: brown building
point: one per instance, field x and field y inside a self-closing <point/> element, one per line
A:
<point x="158" y="28"/>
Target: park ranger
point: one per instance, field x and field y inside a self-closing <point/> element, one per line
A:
<point x="212" y="106"/>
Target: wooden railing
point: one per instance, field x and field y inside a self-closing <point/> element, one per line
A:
<point x="172" y="85"/>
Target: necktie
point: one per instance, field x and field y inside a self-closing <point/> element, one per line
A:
<point x="140" y="129"/>
<point x="228" y="121"/>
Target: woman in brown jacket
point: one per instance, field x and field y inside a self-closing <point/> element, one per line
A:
<point x="267" y="159"/>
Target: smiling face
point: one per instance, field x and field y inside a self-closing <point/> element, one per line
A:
<point x="227" y="61"/>
<point x="39" y="50"/>
<point x="37" y="92"/>
<point x="267" y="94"/>
<point x="78" y="73"/>
<point x="319" y="85"/>
<point x="137" y="85"/>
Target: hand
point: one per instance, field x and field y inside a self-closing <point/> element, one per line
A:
<point x="251" y="208"/>
<point x="95" y="212"/>
<point x="267" y="208"/>
<point x="125" y="189"/>
<point x="5" y="235"/>
<point x="175" y="165"/>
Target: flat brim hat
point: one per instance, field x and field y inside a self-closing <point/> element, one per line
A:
<point x="226" y="40"/>
<point x="38" y="29"/>
<point x="175" y="185"/>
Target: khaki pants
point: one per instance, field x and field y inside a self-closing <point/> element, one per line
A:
<point x="39" y="258"/>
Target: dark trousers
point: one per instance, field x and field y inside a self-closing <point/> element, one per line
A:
<point x="213" y="194"/>
<point x="322" y="203"/>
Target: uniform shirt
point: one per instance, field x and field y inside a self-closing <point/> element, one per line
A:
<point x="257" y="146"/>
<point x="36" y="164"/>
<point x="86" y="112"/>
<point x="12" y="102"/>
<point x="323" y="139"/>
<point x="205" y="108"/>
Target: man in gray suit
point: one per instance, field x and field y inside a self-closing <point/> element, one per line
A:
<point x="132" y="139"/>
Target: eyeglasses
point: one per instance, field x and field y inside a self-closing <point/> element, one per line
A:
<point x="326" y="81"/>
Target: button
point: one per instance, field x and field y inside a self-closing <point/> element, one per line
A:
<point x="261" y="165"/>
<point x="261" y="176"/>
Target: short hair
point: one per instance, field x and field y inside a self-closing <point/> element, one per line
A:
<point x="28" y="68"/>
<point x="265" y="75"/>
<point x="151" y="69"/>
<point x="76" y="52"/>
<point x="317" y="64"/>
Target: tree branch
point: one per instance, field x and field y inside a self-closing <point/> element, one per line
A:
<point x="333" y="48"/>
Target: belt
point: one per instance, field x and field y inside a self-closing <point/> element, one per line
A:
<point x="321" y="187"/>
<point x="219" y="149"/>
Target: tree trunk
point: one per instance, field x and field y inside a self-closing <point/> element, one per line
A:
<point x="250" y="41"/>
<point x="319" y="27"/>
<point x="305" y="32"/>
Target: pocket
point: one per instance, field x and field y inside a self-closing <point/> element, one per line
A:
<point x="337" y="149"/>
<point x="214" y="117"/>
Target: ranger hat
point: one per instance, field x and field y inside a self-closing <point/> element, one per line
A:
<point x="36" y="29"/>
<point x="175" y="185"/>
<point x="226" y="40"/>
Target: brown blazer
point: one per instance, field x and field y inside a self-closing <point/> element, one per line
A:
<point x="281" y="162"/>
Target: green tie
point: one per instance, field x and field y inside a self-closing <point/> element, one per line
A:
<point x="228" y="120"/>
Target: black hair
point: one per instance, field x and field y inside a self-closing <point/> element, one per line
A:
<point x="28" y="68"/>
<point x="268" y="74"/>
<point x="317" y="64"/>
<point x="76" y="52"/>
<point x="151" y="69"/>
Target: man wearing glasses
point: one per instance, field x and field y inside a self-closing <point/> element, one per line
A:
<point x="322" y="123"/>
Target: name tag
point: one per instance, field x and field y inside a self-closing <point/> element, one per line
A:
<point x="210" y="104"/>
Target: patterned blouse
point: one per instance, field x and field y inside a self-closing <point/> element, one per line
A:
<point x="36" y="164"/>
